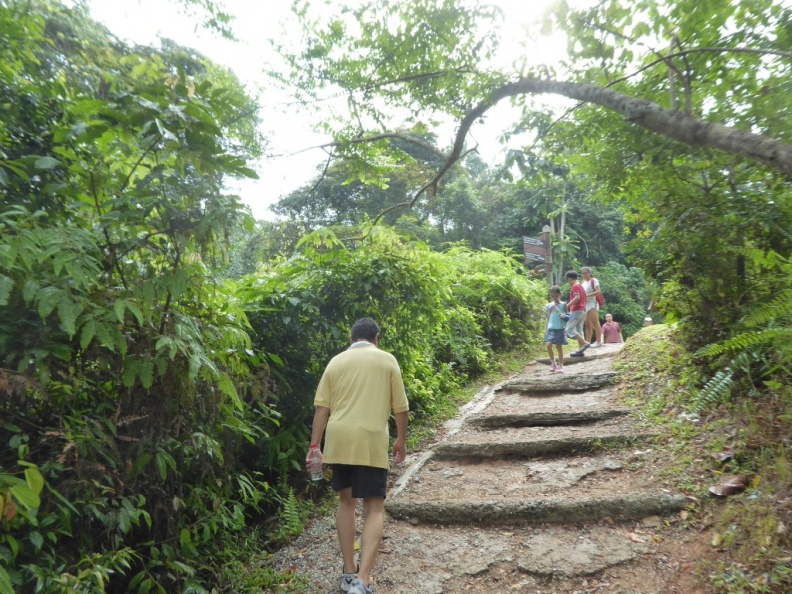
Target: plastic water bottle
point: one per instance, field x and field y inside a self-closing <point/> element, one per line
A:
<point x="314" y="463"/>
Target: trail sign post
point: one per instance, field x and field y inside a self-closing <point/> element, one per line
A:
<point x="539" y="252"/>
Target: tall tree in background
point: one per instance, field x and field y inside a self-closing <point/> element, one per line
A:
<point x="694" y="89"/>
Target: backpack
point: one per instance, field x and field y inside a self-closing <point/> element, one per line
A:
<point x="600" y="296"/>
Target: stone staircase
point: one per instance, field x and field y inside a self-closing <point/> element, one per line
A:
<point x="541" y="485"/>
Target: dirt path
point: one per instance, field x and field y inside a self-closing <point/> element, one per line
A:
<point x="540" y="485"/>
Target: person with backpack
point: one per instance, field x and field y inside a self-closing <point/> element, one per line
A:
<point x="594" y="300"/>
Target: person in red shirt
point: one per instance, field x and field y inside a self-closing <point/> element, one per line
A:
<point x="611" y="331"/>
<point x="576" y="306"/>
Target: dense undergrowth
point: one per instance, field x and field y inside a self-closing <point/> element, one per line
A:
<point x="154" y="413"/>
<point x="748" y="435"/>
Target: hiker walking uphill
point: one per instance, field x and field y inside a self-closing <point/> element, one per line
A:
<point x="611" y="331"/>
<point x="356" y="394"/>
<point x="577" y="313"/>
<point x="543" y="483"/>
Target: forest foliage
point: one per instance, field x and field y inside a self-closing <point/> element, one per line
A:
<point x="152" y="408"/>
<point x="159" y="348"/>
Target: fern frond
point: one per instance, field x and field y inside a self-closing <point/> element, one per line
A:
<point x="779" y="307"/>
<point x="715" y="391"/>
<point x="747" y="339"/>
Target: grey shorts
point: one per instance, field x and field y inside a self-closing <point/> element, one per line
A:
<point x="575" y="324"/>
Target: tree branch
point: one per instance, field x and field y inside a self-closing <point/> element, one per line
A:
<point x="651" y="116"/>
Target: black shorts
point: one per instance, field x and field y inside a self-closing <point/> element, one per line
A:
<point x="366" y="481"/>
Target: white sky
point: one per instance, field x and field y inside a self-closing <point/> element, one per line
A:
<point x="288" y="132"/>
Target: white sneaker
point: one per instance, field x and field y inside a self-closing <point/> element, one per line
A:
<point x="347" y="579"/>
<point x="358" y="587"/>
<point x="596" y="345"/>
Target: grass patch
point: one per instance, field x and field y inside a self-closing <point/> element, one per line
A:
<point x="750" y="550"/>
<point x="509" y="363"/>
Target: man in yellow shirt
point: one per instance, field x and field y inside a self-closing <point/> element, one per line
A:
<point x="357" y="391"/>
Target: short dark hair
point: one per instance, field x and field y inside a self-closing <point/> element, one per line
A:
<point x="365" y="329"/>
<point x="555" y="290"/>
<point x="571" y="274"/>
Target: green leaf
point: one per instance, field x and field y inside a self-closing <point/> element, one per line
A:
<point x="37" y="540"/>
<point x="185" y="538"/>
<point x="124" y="522"/>
<point x="47" y="299"/>
<point x="104" y="335"/>
<point x="147" y="373"/>
<point x="46" y="163"/>
<point x="131" y="367"/>
<point x="34" y="480"/>
<point x="118" y="308"/>
<point x="25" y="496"/>
<point x="227" y="387"/>
<point x="13" y="544"/>
<point x="67" y="313"/>
<point x="87" y="333"/>
<point x="6" y="587"/>
<point x="163" y="460"/>
<point x="135" y="311"/>
<point x="6" y="284"/>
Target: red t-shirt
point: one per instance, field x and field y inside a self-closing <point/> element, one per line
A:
<point x="580" y="304"/>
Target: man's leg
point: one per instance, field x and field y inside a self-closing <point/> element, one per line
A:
<point x="345" y="527"/>
<point x="373" y="522"/>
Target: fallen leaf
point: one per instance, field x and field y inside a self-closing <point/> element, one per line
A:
<point x="730" y="484"/>
<point x="717" y="540"/>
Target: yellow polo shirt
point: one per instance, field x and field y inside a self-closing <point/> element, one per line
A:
<point x="360" y="387"/>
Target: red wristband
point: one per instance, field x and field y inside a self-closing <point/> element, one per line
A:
<point x="314" y="446"/>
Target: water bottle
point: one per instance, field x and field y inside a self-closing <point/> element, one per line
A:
<point x="314" y="462"/>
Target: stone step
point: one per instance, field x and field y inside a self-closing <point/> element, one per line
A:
<point x="552" y="558"/>
<point x="541" y="510"/>
<point x="547" y="418"/>
<point x="568" y="489"/>
<point x="546" y="402"/>
<point x="439" y="480"/>
<point x="475" y="442"/>
<point x="592" y="354"/>
<point x="561" y="382"/>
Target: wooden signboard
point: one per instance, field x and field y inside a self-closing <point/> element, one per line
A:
<point x="538" y="251"/>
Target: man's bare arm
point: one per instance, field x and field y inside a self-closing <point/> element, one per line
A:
<point x="400" y="445"/>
